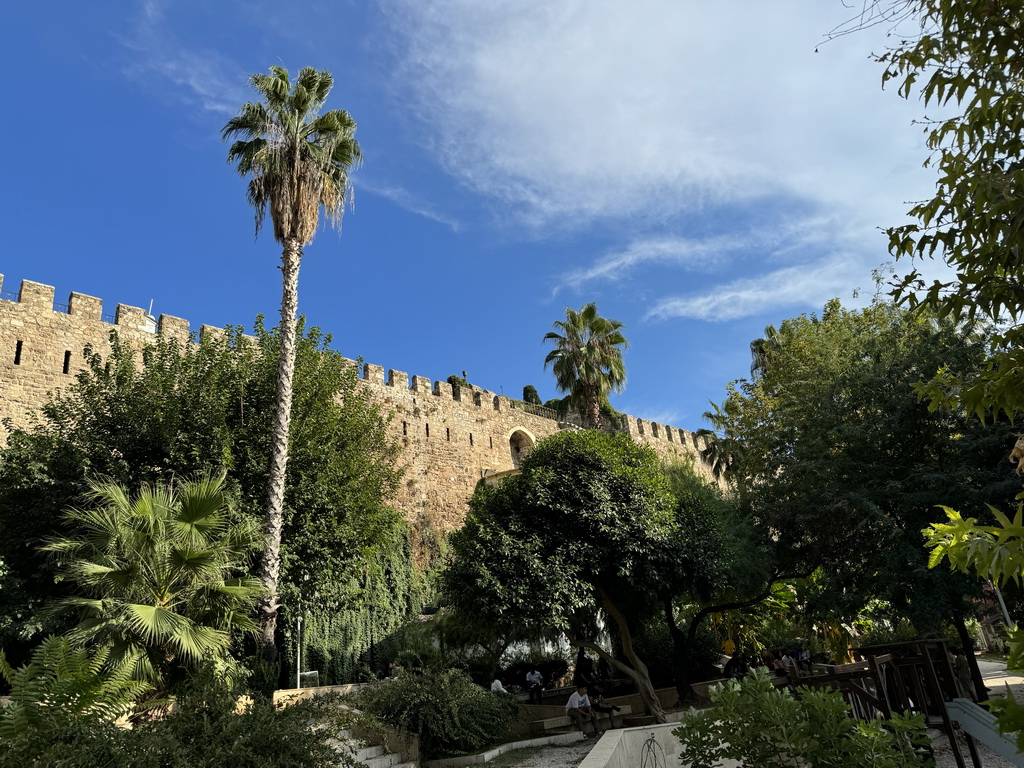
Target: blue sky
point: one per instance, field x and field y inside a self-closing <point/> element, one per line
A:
<point x="698" y="169"/>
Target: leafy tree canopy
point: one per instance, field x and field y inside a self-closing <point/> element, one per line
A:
<point x="174" y="410"/>
<point x="841" y="459"/>
<point x="965" y="58"/>
<point x="589" y="528"/>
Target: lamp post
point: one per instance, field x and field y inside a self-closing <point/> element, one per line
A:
<point x="298" y="652"/>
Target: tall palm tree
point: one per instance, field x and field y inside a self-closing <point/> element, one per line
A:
<point x="587" y="359"/>
<point x="161" y="575"/>
<point x="298" y="161"/>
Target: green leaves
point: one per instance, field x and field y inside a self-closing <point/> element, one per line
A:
<point x="448" y="711"/>
<point x="755" y="723"/>
<point x="995" y="552"/>
<point x="164" y="573"/>
<point x="587" y="359"/>
<point x="969" y="57"/>
<point x="61" y="683"/>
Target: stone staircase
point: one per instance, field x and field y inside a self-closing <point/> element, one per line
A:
<point x="369" y="755"/>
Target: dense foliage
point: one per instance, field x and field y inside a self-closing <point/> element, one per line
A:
<point x="161" y="576"/>
<point x="840" y="457"/>
<point x="61" y="683"/>
<point x="207" y="728"/>
<point x="444" y="707"/>
<point x="173" y="410"/>
<point x="588" y="530"/>
<point x="755" y="723"/>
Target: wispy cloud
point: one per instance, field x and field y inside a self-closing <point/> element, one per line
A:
<point x="405" y="199"/>
<point x="578" y="111"/>
<point x="198" y="76"/>
<point x="690" y="254"/>
<point x="801" y="286"/>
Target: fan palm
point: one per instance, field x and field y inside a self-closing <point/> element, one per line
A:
<point x="297" y="161"/>
<point x="160" y="575"/>
<point x="587" y="359"/>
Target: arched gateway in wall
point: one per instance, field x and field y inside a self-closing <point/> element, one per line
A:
<point x="520" y="443"/>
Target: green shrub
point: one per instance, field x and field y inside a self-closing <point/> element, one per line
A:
<point x="755" y="723"/>
<point x="61" y="683"/>
<point x="206" y="729"/>
<point x="445" y="708"/>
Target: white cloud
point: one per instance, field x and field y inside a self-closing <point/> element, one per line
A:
<point x="576" y="111"/>
<point x="690" y="254"/>
<point x="202" y="77"/>
<point x="802" y="286"/>
<point x="584" y="113"/>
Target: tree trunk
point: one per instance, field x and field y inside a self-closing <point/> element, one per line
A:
<point x="640" y="675"/>
<point x="968" y="648"/>
<point x="593" y="409"/>
<point x="270" y="559"/>
<point x="680" y="672"/>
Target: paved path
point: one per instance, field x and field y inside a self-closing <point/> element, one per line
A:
<point x="997" y="678"/>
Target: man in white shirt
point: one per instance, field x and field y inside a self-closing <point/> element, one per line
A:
<point x="578" y="708"/>
<point x="497" y="687"/>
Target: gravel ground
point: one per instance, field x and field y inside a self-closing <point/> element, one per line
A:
<point x="554" y="756"/>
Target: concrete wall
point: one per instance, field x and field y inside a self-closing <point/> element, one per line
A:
<point x="653" y="745"/>
<point x="452" y="436"/>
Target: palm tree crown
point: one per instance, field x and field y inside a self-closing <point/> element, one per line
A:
<point x="298" y="160"/>
<point x="162" y="574"/>
<point x="587" y="359"/>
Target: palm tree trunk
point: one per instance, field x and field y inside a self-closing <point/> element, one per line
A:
<point x="270" y="558"/>
<point x="593" y="397"/>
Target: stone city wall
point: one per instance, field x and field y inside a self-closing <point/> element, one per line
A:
<point x="452" y="436"/>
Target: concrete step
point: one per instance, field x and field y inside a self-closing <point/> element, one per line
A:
<point x="364" y="753"/>
<point x="387" y="760"/>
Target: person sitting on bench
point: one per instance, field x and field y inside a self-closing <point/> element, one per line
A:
<point x="578" y="708"/>
<point x="598" y="705"/>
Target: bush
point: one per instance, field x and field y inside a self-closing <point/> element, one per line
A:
<point x="62" y="683"/>
<point x="206" y="728"/>
<point x="445" y="708"/>
<point x="755" y="723"/>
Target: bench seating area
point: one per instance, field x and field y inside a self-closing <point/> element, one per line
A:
<point x="553" y="724"/>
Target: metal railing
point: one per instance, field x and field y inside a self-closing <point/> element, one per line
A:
<point x="536" y="410"/>
<point x="109" y="318"/>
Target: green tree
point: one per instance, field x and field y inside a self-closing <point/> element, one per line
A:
<point x="847" y="465"/>
<point x="965" y="59"/>
<point x="175" y="410"/>
<point x="298" y="161"/>
<point x="530" y="395"/>
<point x="587" y="359"/>
<point x="161" y="575"/>
<point x="587" y="530"/>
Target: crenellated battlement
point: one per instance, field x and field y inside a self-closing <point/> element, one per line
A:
<point x="452" y="436"/>
<point x="81" y="306"/>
